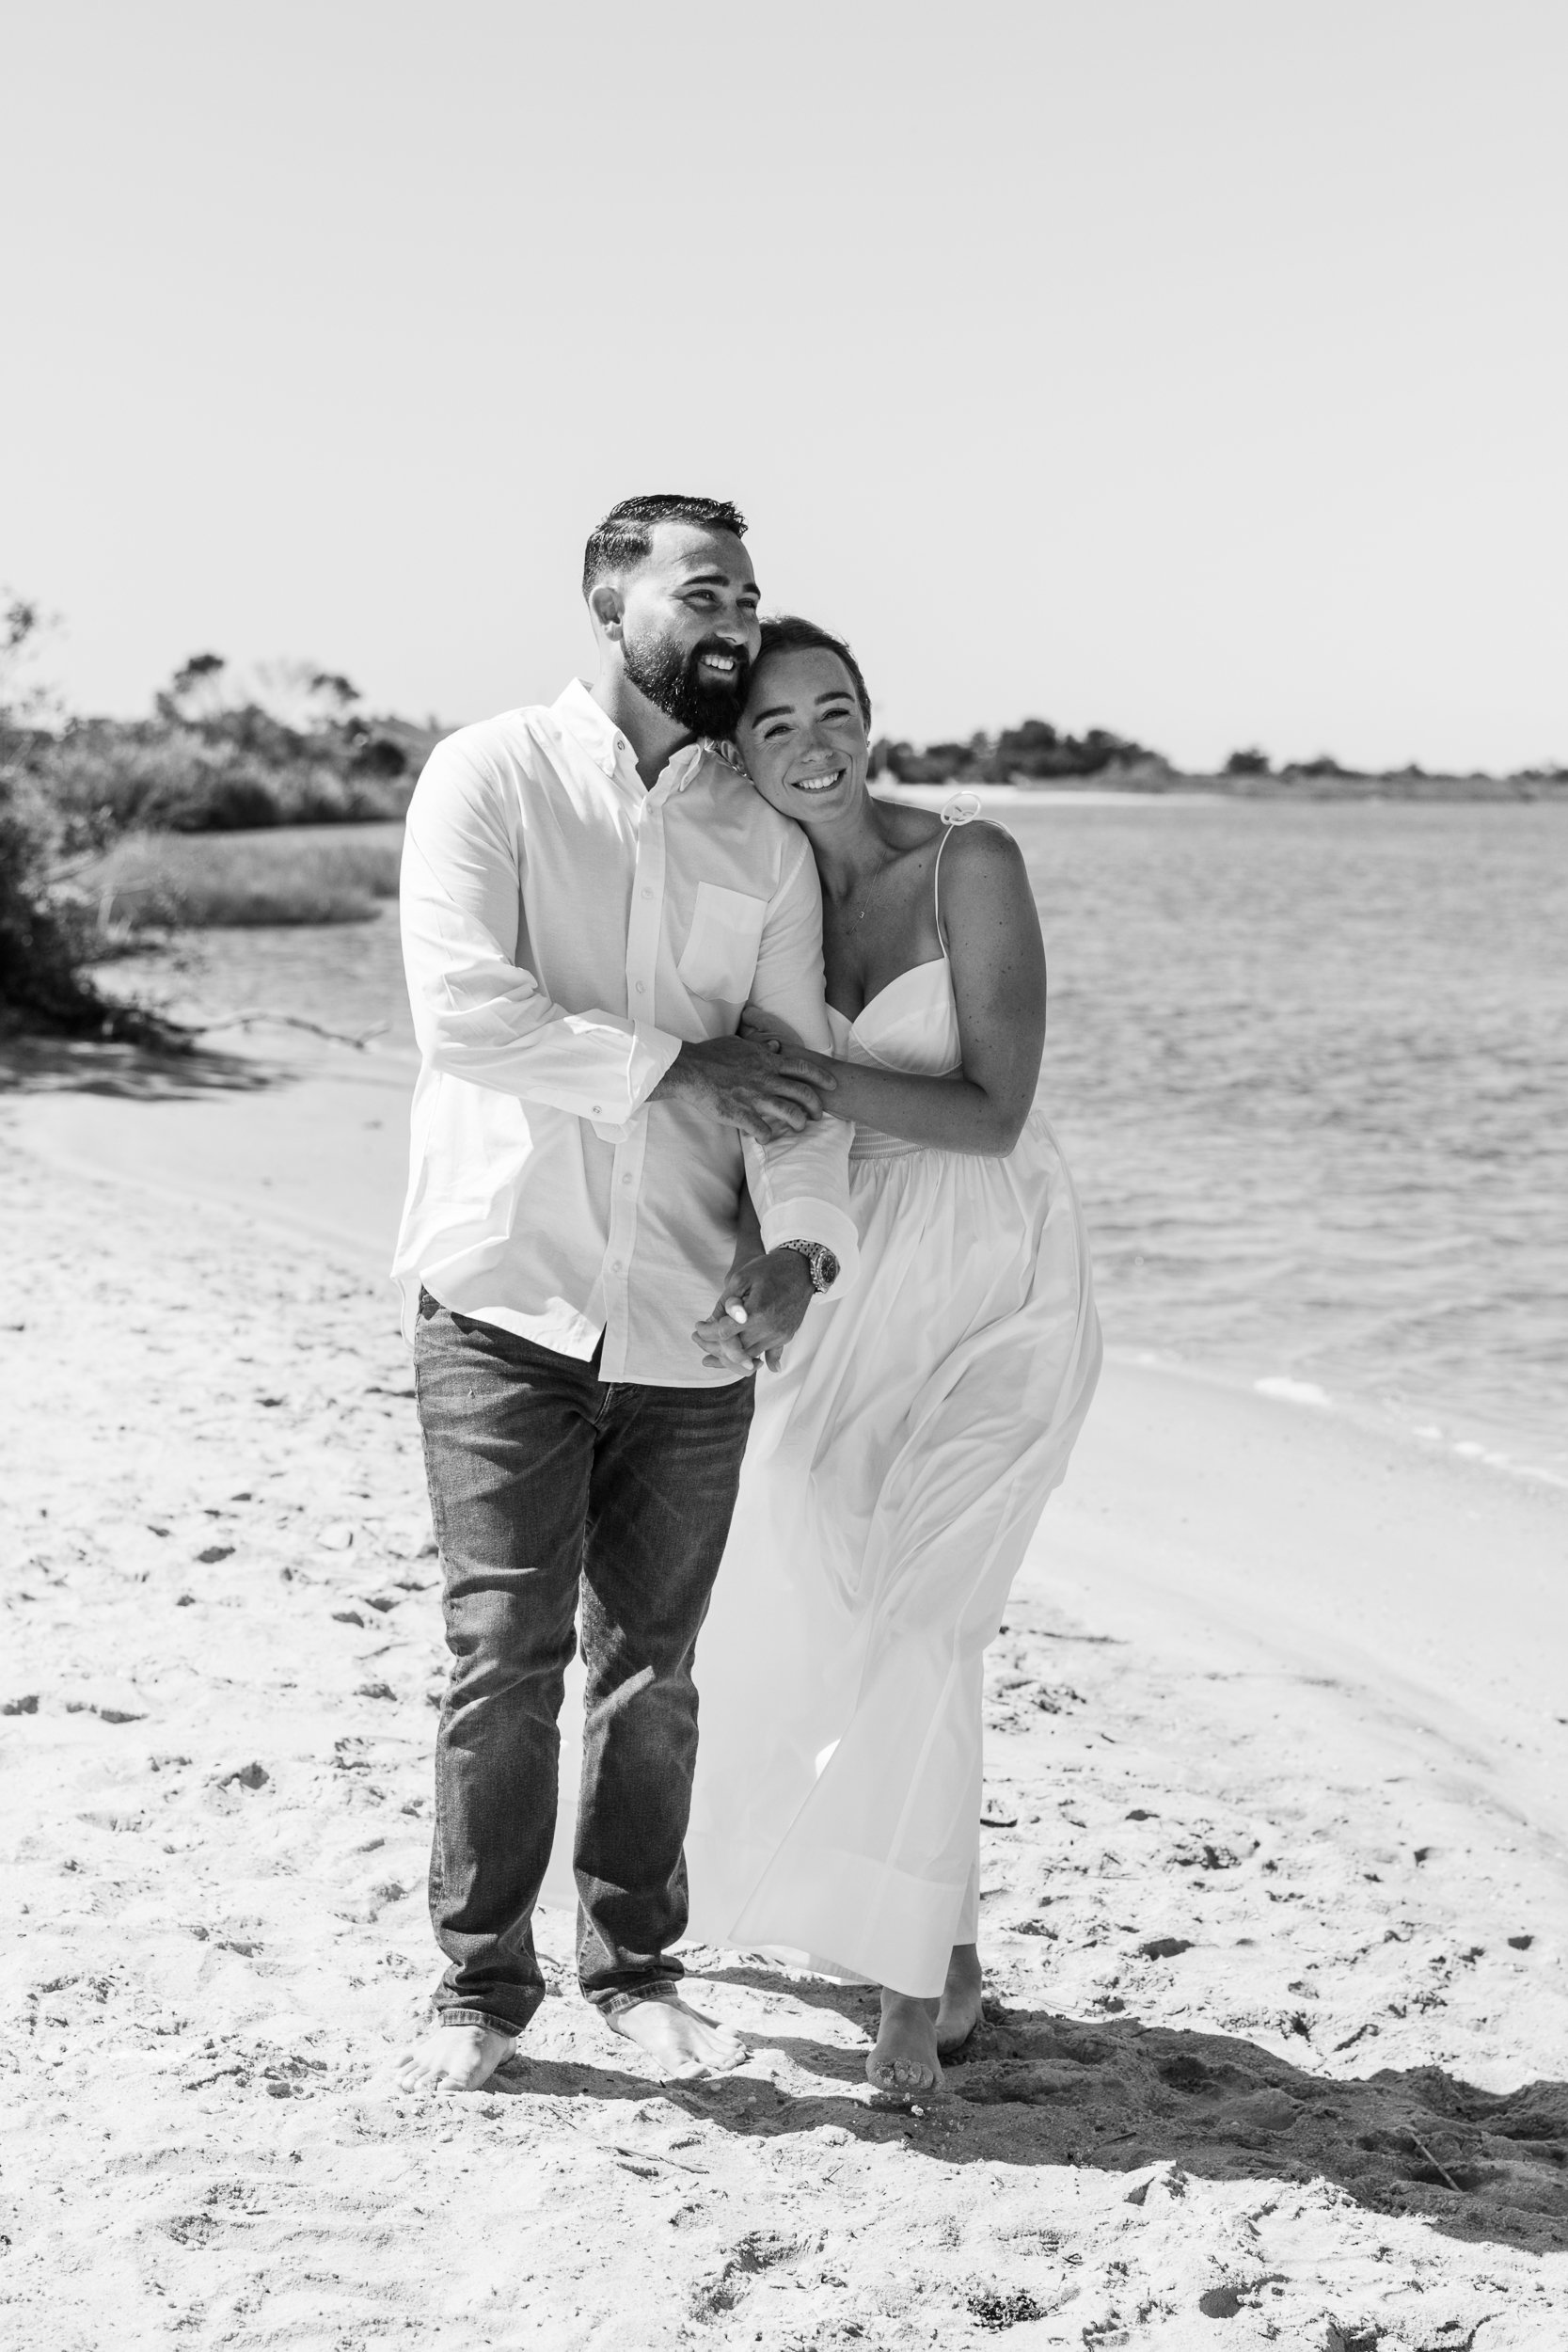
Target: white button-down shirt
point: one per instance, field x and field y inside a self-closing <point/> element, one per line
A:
<point x="564" y="930"/>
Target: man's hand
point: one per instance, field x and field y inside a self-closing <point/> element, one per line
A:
<point x="772" y="1294"/>
<point x="766" y="1090"/>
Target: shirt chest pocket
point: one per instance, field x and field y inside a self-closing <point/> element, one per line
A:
<point x="720" y="958"/>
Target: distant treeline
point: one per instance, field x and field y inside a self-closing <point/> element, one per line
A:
<point x="223" y="752"/>
<point x="226" y="751"/>
<point x="1034" y="753"/>
<point x="1038" y="754"/>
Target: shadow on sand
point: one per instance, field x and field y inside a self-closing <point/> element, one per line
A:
<point x="133" y="1073"/>
<point x="1031" y="2088"/>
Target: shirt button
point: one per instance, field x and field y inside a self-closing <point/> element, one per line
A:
<point x="615" y="1265"/>
<point x="640" y="990"/>
<point x="598" y="1110"/>
<point x="647" y="894"/>
<point x="626" y="1180"/>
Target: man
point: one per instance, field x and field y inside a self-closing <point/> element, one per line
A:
<point x="591" y="895"/>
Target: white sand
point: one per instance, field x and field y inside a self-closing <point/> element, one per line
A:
<point x="1286" y="1693"/>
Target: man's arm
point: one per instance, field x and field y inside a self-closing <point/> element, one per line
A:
<point x="479" y="1015"/>
<point x="800" y="1182"/>
<point x="798" y="1185"/>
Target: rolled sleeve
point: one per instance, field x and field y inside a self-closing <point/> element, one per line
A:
<point x="477" y="1014"/>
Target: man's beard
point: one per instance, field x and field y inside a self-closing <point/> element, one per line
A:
<point x="673" y="684"/>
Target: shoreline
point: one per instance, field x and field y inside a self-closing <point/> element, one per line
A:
<point x="315" y="1144"/>
<point x="1297" y="791"/>
<point x="314" y="1152"/>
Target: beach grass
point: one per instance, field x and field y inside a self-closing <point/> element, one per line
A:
<point x="284" y="875"/>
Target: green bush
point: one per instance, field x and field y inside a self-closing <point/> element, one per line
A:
<point x="47" y="933"/>
<point x="281" y="875"/>
<point x="113" y="775"/>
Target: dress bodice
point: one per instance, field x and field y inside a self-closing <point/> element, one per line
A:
<point x="911" y="1024"/>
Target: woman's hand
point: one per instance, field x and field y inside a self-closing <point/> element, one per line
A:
<point x="758" y="1030"/>
<point x="772" y="1294"/>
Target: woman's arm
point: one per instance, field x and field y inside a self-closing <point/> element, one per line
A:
<point x="998" y="963"/>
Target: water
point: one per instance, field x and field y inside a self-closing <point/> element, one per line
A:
<point x="1310" y="1067"/>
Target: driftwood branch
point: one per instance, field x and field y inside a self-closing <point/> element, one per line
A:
<point x="1436" y="2162"/>
<point x="259" y="1014"/>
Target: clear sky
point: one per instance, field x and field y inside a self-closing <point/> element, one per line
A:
<point x="1195" y="368"/>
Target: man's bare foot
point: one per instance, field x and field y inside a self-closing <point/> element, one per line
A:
<point x="905" y="2061"/>
<point x="961" y="2010"/>
<point x="455" y="2058"/>
<point x="683" y="2042"/>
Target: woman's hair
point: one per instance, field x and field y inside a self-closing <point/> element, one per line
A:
<point x="788" y="634"/>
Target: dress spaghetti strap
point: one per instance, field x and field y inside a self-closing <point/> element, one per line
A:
<point x="960" y="810"/>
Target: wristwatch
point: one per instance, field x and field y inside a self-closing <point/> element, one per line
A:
<point x="823" y="1265"/>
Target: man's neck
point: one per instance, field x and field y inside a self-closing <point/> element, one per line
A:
<point x="655" y="738"/>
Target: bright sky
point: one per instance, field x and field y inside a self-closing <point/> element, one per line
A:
<point x="1195" y="368"/>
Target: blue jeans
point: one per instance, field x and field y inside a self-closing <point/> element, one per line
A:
<point x="545" y="1480"/>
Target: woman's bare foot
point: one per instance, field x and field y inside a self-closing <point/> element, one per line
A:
<point x="455" y="2058"/>
<point x="905" y="2059"/>
<point x="683" y="2042"/>
<point x="961" y="2010"/>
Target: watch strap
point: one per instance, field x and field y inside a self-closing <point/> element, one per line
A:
<point x="820" y="1259"/>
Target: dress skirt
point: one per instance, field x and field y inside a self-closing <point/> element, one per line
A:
<point x="896" y="1471"/>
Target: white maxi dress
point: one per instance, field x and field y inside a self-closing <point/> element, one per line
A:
<point x="896" y="1469"/>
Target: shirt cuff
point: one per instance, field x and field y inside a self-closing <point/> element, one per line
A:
<point x="806" y="1219"/>
<point x="652" y="1052"/>
<point x="651" y="1057"/>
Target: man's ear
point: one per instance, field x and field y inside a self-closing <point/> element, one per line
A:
<point x="608" y="606"/>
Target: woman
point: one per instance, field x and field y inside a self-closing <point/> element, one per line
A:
<point x="901" y="1458"/>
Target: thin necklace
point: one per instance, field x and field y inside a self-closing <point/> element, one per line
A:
<point x="871" y="883"/>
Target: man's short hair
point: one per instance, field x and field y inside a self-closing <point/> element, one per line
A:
<point x="786" y="632"/>
<point x="625" y="536"/>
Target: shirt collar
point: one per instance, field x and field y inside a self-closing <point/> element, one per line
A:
<point x="598" y="735"/>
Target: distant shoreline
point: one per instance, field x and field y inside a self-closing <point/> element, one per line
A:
<point x="1194" y="789"/>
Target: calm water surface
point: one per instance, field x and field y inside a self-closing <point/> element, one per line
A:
<point x="1310" y="1067"/>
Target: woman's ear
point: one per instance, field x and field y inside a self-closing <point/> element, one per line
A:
<point x="607" y="607"/>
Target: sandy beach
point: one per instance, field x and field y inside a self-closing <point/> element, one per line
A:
<point x="1276" y="1905"/>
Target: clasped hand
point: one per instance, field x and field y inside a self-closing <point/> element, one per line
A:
<point x="773" y="1293"/>
<point x="762" y="1084"/>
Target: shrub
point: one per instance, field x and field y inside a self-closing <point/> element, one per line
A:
<point x="228" y="882"/>
<point x="45" y="932"/>
<point x="47" y="938"/>
<point x="110" y="775"/>
<point x="1324" y="764"/>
